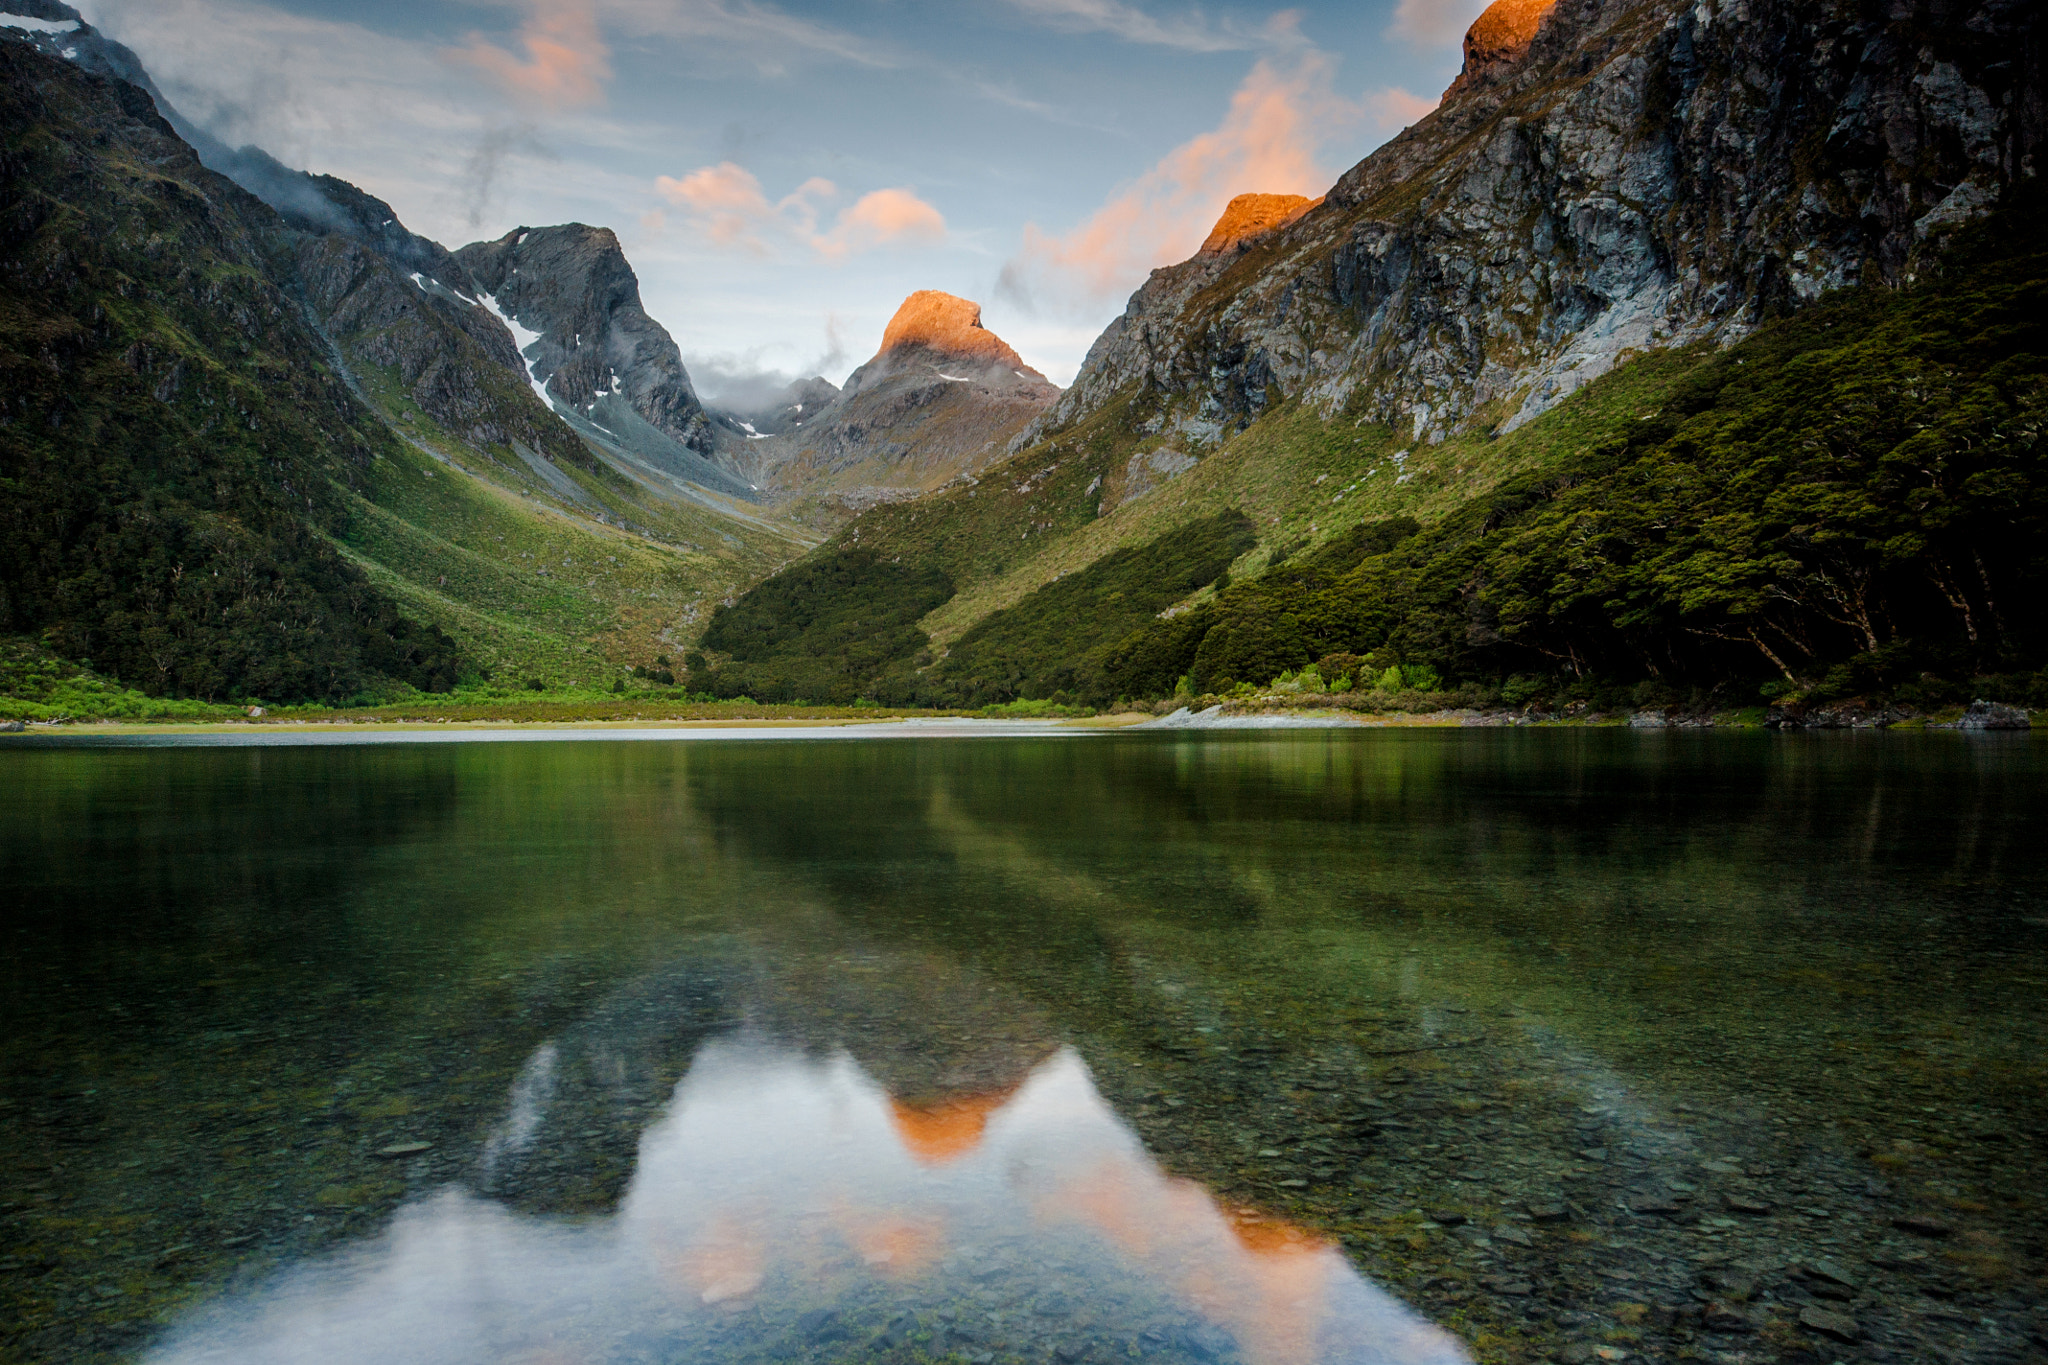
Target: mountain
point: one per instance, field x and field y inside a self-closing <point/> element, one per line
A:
<point x="573" y="301"/>
<point x="799" y="401"/>
<point x="1605" y="177"/>
<point x="280" y="446"/>
<point x="176" y="448"/>
<point x="936" y="402"/>
<point x="1557" y="281"/>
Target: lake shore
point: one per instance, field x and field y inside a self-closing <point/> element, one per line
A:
<point x="622" y="720"/>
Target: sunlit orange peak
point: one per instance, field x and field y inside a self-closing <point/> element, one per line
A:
<point x="1503" y="33"/>
<point x="1248" y="215"/>
<point x="946" y="323"/>
<point x="944" y="1130"/>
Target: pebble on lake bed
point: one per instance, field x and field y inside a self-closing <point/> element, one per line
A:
<point x="1840" y="1326"/>
<point x="399" y="1149"/>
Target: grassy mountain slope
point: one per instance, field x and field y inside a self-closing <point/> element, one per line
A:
<point x="1059" y="506"/>
<point x="243" y="460"/>
<point x="174" y="450"/>
<point x="534" y="584"/>
<point x="1851" y="497"/>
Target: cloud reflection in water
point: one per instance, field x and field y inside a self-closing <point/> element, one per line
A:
<point x="787" y="1207"/>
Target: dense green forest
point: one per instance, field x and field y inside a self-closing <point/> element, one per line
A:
<point x="171" y="437"/>
<point x="1850" y="500"/>
<point x="844" y="625"/>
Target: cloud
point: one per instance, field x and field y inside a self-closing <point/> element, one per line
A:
<point x="883" y="218"/>
<point x="1267" y="143"/>
<point x="566" y="62"/>
<point x="481" y="175"/>
<point x="1188" y="33"/>
<point x="1434" y="23"/>
<point x="744" y="382"/>
<point x="727" y="204"/>
<point x="1393" y="108"/>
<point x="768" y="36"/>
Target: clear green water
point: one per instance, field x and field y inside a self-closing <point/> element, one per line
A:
<point x="1404" y="1046"/>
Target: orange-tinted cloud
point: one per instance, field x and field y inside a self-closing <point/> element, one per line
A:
<point x="1395" y="108"/>
<point x="727" y="204"/>
<point x="1434" y="23"/>
<point x="566" y="62"/>
<point x="1268" y="143"/>
<point x="725" y="1261"/>
<point x="892" y="1243"/>
<point x="883" y="218"/>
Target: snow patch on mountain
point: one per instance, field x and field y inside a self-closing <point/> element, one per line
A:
<point x="28" y="25"/>
<point x="523" y="338"/>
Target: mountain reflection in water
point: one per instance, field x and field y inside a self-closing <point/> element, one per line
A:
<point x="786" y="1207"/>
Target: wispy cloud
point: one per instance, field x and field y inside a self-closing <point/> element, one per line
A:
<point x="1434" y="23"/>
<point x="564" y="62"/>
<point x="764" y="36"/>
<point x="1267" y="143"/>
<point x="1189" y="32"/>
<point x="1393" y="108"/>
<point x="727" y="204"/>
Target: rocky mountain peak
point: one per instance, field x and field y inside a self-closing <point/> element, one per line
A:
<point x="1613" y="177"/>
<point x="940" y="399"/>
<point x="1249" y="215"/>
<point x="937" y="321"/>
<point x="1498" y="40"/>
<point x="587" y="340"/>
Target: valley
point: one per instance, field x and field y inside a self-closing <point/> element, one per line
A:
<point x="1413" y="422"/>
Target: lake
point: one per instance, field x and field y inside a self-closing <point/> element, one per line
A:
<point x="1277" y="1048"/>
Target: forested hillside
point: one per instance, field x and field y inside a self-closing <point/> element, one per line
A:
<point x="174" y="448"/>
<point x="1851" y="499"/>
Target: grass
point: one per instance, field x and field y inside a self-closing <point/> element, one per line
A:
<point x="1300" y="479"/>
<point x="531" y="588"/>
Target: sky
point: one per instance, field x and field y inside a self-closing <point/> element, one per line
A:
<point x="782" y="175"/>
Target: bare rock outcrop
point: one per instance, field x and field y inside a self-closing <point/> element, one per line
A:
<point x="1254" y="215"/>
<point x="941" y="397"/>
<point x="1606" y="177"/>
<point x="572" y="286"/>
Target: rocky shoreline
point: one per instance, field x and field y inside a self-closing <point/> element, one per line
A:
<point x="1308" y="712"/>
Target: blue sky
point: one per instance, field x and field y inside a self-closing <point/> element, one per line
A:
<point x="782" y="175"/>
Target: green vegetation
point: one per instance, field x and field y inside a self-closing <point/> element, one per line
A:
<point x="844" y="625"/>
<point x="170" y="438"/>
<point x="827" y="628"/>
<point x="202" y="502"/>
<point x="1850" y="500"/>
<point x="1048" y="646"/>
<point x="1059" y="506"/>
<point x="36" y="685"/>
<point x="531" y="587"/>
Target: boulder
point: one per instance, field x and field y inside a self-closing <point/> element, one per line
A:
<point x="1991" y="715"/>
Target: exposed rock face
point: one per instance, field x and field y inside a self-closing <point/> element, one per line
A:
<point x="456" y="361"/>
<point x="1498" y="40"/>
<point x="384" y="295"/>
<point x="1642" y="175"/>
<point x="933" y="327"/>
<point x="573" y="286"/>
<point x="940" y="398"/>
<point x="1253" y="215"/>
